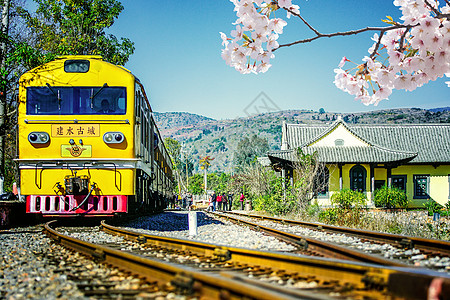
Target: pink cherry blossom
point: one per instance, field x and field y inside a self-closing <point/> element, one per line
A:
<point x="284" y="3"/>
<point x="343" y="61"/>
<point x="406" y="57"/>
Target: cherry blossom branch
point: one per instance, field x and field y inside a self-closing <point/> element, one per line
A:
<point x="406" y="54"/>
<point x="402" y="39"/>
<point x="439" y="15"/>
<point x="303" y="20"/>
<point x="377" y="46"/>
<point x="344" y="33"/>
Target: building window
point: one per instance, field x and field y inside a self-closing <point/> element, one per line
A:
<point x="399" y="181"/>
<point x="358" y="176"/>
<point x="322" y="182"/>
<point x="421" y="186"/>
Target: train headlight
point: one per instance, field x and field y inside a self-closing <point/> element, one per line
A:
<point x="36" y="137"/>
<point x="113" y="137"/>
<point x="108" y="137"/>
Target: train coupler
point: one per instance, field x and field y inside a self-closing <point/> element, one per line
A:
<point x="76" y="185"/>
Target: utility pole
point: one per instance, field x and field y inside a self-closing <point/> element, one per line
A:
<point x="184" y="151"/>
<point x="5" y="24"/>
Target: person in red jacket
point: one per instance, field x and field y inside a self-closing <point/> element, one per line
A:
<point x="219" y="202"/>
<point x="241" y="201"/>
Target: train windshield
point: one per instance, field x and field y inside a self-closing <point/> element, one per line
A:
<point x="54" y="100"/>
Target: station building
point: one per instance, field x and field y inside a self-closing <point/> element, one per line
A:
<point x="412" y="157"/>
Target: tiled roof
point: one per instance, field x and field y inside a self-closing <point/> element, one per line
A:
<point x="431" y="142"/>
<point x="347" y="154"/>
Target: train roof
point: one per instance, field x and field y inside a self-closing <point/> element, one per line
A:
<point x="58" y="61"/>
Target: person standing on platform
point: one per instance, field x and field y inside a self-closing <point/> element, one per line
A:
<point x="184" y="200"/>
<point x="210" y="204"/>
<point x="214" y="200"/>
<point x="190" y="200"/>
<point x="230" y="200"/>
<point x="224" y="202"/>
<point x="219" y="201"/>
<point x="241" y="200"/>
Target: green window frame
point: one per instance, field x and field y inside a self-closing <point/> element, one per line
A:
<point x="421" y="186"/>
<point x="399" y="181"/>
<point x="358" y="175"/>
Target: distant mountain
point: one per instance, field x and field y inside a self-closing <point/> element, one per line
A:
<point x="203" y="136"/>
<point x="440" y="109"/>
<point x="178" y="124"/>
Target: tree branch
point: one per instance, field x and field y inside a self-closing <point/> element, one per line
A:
<point x="303" y="20"/>
<point x="432" y="8"/>
<point x="377" y="46"/>
<point x="344" y="33"/>
<point x="402" y="40"/>
<point x="439" y="15"/>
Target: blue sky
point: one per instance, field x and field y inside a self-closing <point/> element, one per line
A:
<point x="178" y="48"/>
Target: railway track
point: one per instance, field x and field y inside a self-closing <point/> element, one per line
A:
<point x="427" y="247"/>
<point x="234" y="273"/>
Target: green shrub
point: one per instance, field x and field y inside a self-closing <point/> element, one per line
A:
<point x="433" y="207"/>
<point x="313" y="209"/>
<point x="329" y="216"/>
<point x="347" y="199"/>
<point x="347" y="208"/>
<point x="390" y="197"/>
<point x="273" y="204"/>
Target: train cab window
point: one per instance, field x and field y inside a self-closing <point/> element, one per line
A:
<point x="53" y="100"/>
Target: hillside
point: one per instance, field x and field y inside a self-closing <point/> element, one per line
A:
<point x="203" y="136"/>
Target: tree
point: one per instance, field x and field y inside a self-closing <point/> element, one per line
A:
<point x="404" y="55"/>
<point x="4" y="36"/>
<point x="248" y="149"/>
<point x="13" y="57"/>
<point x="205" y="163"/>
<point x="310" y="178"/>
<point x="174" y="149"/>
<point x="77" y="27"/>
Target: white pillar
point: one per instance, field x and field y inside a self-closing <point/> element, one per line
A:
<point x="192" y="223"/>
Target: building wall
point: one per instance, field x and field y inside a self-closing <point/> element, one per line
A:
<point x="438" y="187"/>
<point x="439" y="177"/>
<point x="339" y="133"/>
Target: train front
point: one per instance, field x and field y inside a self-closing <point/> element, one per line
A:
<point x="75" y="136"/>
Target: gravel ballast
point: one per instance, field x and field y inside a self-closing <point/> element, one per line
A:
<point x="209" y="230"/>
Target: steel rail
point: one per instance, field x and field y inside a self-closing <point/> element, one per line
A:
<point x="204" y="284"/>
<point x="414" y="285"/>
<point x="401" y="240"/>
<point x="327" y="249"/>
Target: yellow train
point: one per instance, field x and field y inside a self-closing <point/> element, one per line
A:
<point x="87" y="141"/>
